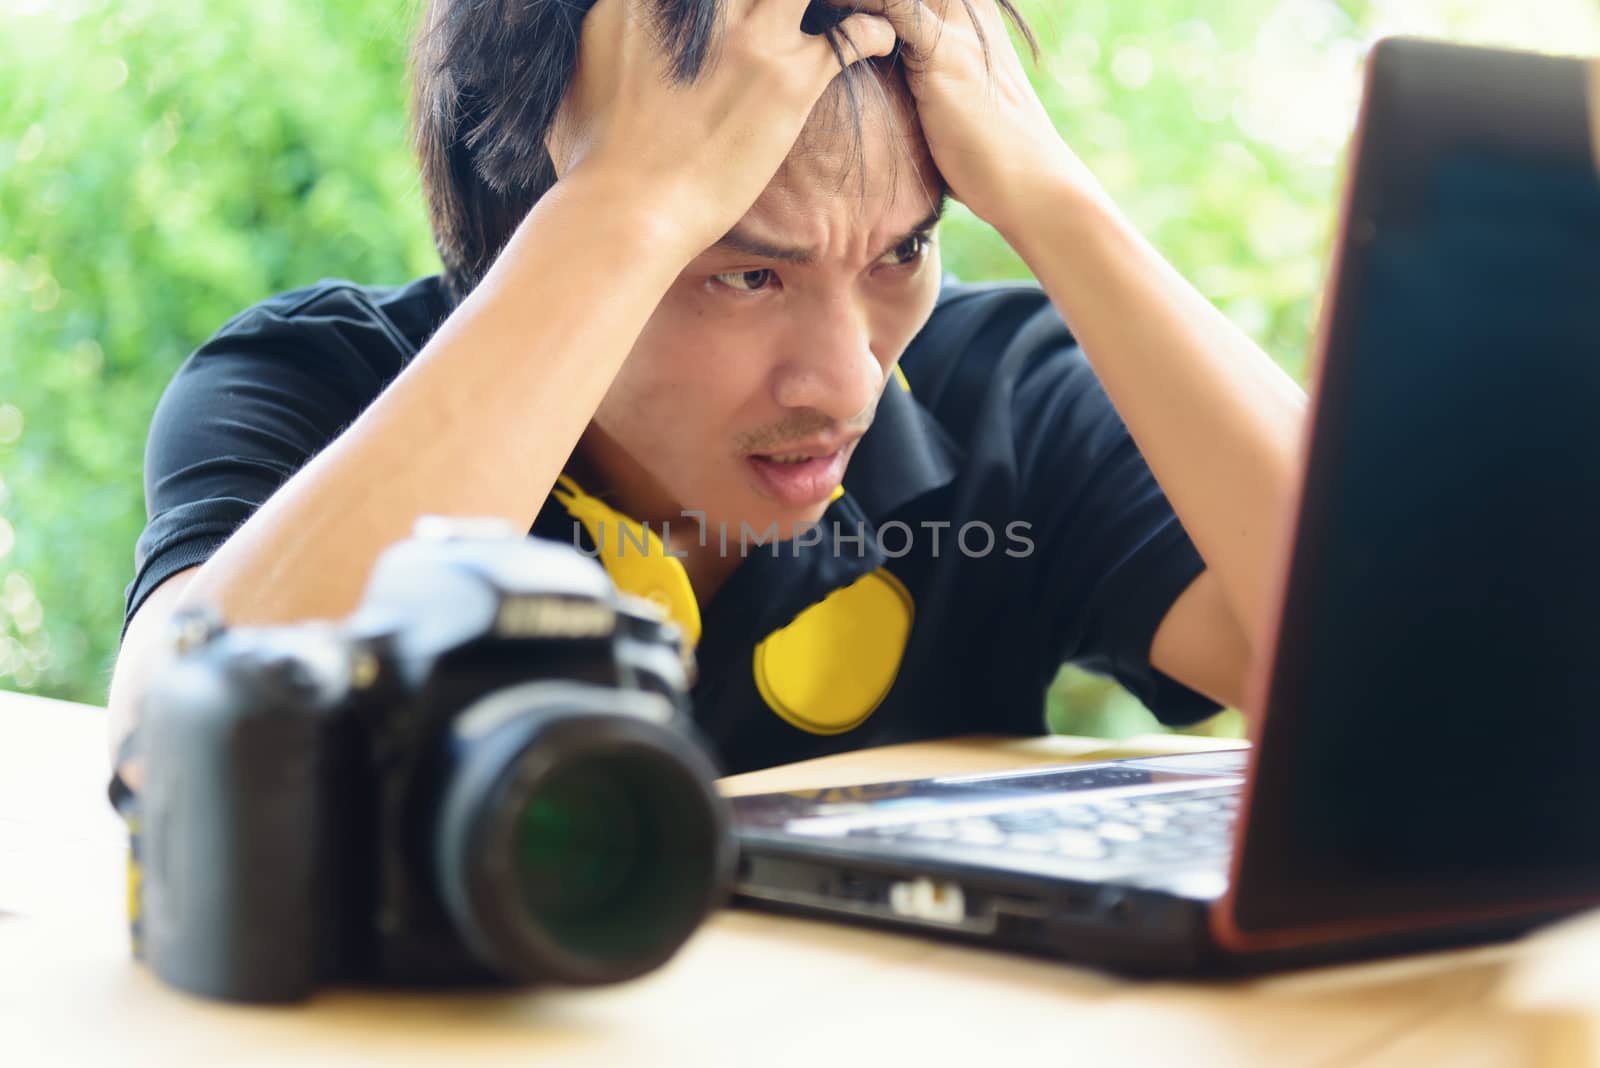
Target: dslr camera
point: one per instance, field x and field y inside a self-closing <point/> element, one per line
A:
<point x="485" y="776"/>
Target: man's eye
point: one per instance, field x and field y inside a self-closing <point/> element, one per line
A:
<point x="744" y="281"/>
<point x="910" y="250"/>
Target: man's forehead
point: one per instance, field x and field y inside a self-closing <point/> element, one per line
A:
<point x="874" y="172"/>
<point x="886" y="175"/>
<point x="775" y="228"/>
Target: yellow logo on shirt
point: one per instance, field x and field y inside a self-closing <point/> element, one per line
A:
<point x="830" y="669"/>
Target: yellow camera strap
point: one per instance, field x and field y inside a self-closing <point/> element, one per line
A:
<point x="126" y="802"/>
<point x="635" y="557"/>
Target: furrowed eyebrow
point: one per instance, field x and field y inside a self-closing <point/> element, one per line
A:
<point x="737" y="241"/>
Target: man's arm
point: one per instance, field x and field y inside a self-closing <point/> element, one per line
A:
<point x="479" y="423"/>
<point x="1217" y="421"/>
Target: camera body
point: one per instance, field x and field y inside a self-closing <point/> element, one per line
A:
<point x="486" y="775"/>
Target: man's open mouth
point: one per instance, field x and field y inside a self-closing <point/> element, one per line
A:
<point x="799" y="479"/>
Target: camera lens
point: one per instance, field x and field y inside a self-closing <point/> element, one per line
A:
<point x="610" y="853"/>
<point x="577" y="844"/>
<point x="577" y="841"/>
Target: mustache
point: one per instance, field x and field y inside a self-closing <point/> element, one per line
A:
<point x="810" y="424"/>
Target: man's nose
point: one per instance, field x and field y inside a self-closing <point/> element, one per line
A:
<point x="827" y="362"/>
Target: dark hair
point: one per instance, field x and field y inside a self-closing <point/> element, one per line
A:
<point x="489" y="75"/>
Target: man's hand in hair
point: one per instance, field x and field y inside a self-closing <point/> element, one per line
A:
<point x="709" y="140"/>
<point x="987" y="129"/>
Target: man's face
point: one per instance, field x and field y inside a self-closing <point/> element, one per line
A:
<point x="761" y="367"/>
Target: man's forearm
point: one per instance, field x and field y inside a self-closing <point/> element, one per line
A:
<point x="480" y="423"/>
<point x="1218" y="422"/>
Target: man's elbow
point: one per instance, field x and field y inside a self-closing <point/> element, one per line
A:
<point x="144" y="645"/>
<point x="1201" y="644"/>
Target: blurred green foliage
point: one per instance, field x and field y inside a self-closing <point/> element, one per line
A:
<point x="165" y="165"/>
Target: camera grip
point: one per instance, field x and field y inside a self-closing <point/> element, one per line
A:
<point x="232" y="811"/>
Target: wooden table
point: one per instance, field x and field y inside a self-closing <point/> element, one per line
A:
<point x="748" y="989"/>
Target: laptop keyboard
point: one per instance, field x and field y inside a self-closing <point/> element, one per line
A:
<point x="1159" y="829"/>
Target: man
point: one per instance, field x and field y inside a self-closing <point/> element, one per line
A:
<point x="683" y="297"/>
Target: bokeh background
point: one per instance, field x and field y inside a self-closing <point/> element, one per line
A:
<point x="166" y="163"/>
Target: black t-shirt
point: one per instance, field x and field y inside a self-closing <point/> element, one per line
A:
<point x="995" y="521"/>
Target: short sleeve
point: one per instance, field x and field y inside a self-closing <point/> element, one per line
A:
<point x="1112" y="554"/>
<point x="244" y="412"/>
<point x="1108" y="557"/>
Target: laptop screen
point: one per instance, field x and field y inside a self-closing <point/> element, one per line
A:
<point x="1432" y="731"/>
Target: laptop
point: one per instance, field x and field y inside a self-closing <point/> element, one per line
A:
<point x="1425" y="766"/>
